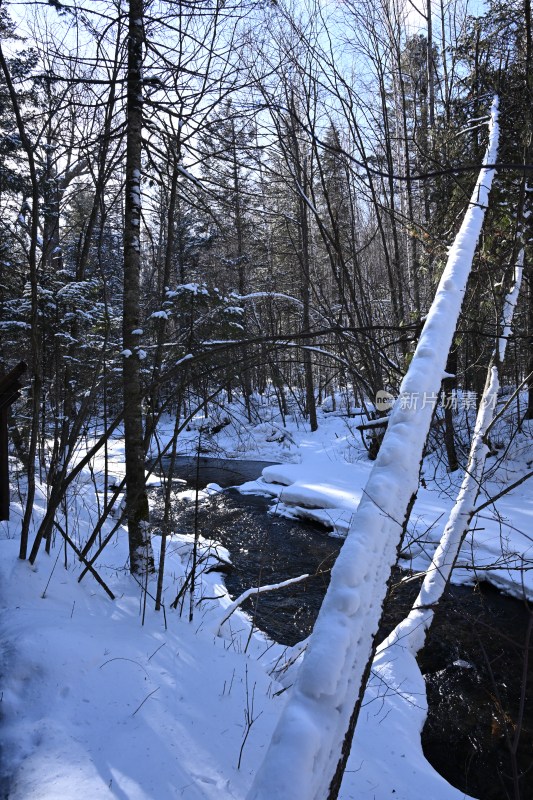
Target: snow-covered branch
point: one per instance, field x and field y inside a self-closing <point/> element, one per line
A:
<point x="254" y="591"/>
<point x="279" y="296"/>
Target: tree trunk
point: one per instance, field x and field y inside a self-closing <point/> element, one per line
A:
<point x="302" y="180"/>
<point x="319" y="717"/>
<point x="246" y="382"/>
<point x="411" y="632"/>
<point x="310" y="402"/>
<point x="141" y="557"/>
<point x="35" y="335"/>
<point x="448" y="385"/>
<point x="528" y="133"/>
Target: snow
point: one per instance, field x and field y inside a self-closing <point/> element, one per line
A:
<point x="300" y="492"/>
<point x="220" y="341"/>
<point x="268" y="296"/>
<point x="194" y="288"/>
<point x="99" y="698"/>
<point x="187" y="174"/>
<point x="135" y="193"/>
<point x="95" y="703"/>
<point x="185" y="358"/>
<point x="13" y="323"/>
<point x="328" y="491"/>
<point x="75" y="677"/>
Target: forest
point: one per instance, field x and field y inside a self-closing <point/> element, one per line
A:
<point x="285" y="231"/>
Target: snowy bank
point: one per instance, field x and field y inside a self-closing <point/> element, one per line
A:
<point x="95" y="703"/>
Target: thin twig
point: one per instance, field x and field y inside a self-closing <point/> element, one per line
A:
<point x="144" y="701"/>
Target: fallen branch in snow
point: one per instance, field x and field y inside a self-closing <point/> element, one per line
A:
<point x="381" y="422"/>
<point x="122" y="658"/>
<point x="102" y="546"/>
<point x="145" y="699"/>
<point x="219" y="566"/>
<point x="62" y="484"/>
<point x="88" y="567"/>
<point x="284" y="434"/>
<point x="103" y="517"/>
<point x="254" y="591"/>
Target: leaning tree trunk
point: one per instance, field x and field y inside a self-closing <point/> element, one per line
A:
<point x="141" y="557"/>
<point x="310" y="746"/>
<point x="411" y="632"/>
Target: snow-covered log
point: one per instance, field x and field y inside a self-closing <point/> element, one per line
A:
<point x="411" y="632"/>
<point x="305" y="750"/>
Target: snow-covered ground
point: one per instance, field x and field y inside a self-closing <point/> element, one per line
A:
<point x="97" y="702"/>
<point x="322" y="476"/>
<point x="498" y="549"/>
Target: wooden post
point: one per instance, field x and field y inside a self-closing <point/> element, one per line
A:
<point x="9" y="392"/>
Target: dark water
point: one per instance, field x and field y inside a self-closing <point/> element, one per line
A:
<point x="479" y="730"/>
<point x="264" y="548"/>
<point x="224" y="471"/>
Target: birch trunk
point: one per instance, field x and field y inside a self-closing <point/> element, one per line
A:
<point x="412" y="630"/>
<point x="310" y="745"/>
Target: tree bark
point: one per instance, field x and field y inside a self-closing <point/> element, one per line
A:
<point x="448" y="385"/>
<point x="300" y="168"/>
<point x="35" y="335"/>
<point x="141" y="557"/>
<point x="528" y="133"/>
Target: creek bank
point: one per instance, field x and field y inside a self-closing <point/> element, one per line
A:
<point x="474" y="660"/>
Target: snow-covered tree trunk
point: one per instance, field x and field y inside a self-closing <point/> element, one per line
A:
<point x="141" y="557"/>
<point x="305" y="752"/>
<point x="411" y="632"/>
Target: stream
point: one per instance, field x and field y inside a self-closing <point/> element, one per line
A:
<point x="475" y="660"/>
